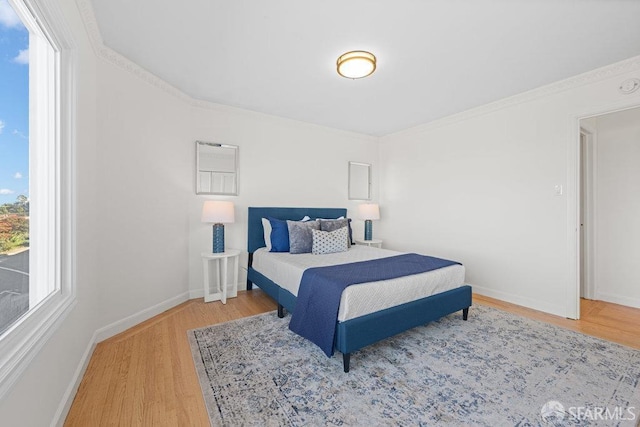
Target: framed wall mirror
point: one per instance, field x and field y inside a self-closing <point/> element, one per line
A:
<point x="216" y="168"/>
<point x="359" y="181"/>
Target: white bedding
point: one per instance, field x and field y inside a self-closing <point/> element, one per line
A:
<point x="286" y="270"/>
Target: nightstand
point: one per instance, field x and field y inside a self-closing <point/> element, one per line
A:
<point x="222" y="259"/>
<point x="373" y="242"/>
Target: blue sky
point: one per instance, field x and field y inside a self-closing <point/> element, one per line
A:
<point x="14" y="106"/>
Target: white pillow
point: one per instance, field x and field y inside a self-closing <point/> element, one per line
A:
<point x="328" y="242"/>
<point x="266" y="229"/>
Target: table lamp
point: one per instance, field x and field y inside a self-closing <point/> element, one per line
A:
<point x="218" y="212"/>
<point x="368" y="212"/>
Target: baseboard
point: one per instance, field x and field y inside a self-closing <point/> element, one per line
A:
<point x="122" y="325"/>
<point x="618" y="299"/>
<point x="544" y="306"/>
<point x="70" y="393"/>
<point x="196" y="293"/>
<point x="102" y="334"/>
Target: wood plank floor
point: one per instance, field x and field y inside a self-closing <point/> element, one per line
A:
<point x="145" y="375"/>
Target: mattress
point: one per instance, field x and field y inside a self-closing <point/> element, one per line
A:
<point x="286" y="270"/>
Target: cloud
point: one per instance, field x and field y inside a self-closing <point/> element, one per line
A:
<point x="8" y="17"/>
<point x="20" y="134"/>
<point x="22" y="57"/>
<point x="17" y="175"/>
<point x="1" y="126"/>
<point x="5" y="191"/>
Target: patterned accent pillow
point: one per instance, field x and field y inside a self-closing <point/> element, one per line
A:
<point x="334" y="224"/>
<point x="300" y="237"/>
<point x="328" y="242"/>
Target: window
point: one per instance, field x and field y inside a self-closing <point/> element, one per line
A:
<point x="36" y="115"/>
<point x="14" y="168"/>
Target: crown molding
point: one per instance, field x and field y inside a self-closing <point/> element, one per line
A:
<point x="95" y="37"/>
<point x="90" y="23"/>
<point x="599" y="74"/>
<point x="290" y="123"/>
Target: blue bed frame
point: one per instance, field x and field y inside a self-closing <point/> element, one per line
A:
<point x="353" y="334"/>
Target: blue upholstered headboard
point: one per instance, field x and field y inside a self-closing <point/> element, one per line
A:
<point x="256" y="233"/>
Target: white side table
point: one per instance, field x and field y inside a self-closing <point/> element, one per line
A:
<point x="373" y="242"/>
<point x="222" y="260"/>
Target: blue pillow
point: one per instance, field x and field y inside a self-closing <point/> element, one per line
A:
<point x="279" y="235"/>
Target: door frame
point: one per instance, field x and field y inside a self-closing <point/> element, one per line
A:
<point x="588" y="195"/>
<point x="574" y="201"/>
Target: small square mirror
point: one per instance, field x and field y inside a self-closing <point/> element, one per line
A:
<point x="216" y="168"/>
<point x="359" y="181"/>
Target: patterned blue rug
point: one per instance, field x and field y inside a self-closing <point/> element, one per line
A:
<point x="496" y="369"/>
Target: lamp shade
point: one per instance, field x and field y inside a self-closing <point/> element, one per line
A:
<point x="217" y="212"/>
<point x="369" y="211"/>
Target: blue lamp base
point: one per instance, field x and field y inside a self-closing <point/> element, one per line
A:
<point x="368" y="229"/>
<point x="218" y="238"/>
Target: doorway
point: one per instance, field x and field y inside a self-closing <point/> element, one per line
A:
<point x="609" y="207"/>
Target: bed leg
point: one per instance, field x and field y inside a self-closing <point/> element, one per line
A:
<point x="346" y="358"/>
<point x="249" y="264"/>
<point x="465" y="313"/>
<point x="280" y="311"/>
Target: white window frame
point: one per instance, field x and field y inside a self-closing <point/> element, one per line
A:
<point x="52" y="189"/>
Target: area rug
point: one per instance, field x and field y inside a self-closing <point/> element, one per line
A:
<point x="495" y="369"/>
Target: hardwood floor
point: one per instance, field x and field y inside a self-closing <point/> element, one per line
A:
<point x="145" y="375"/>
<point x="608" y="321"/>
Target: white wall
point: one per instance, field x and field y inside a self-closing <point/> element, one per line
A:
<point x="282" y="163"/>
<point x="479" y="187"/>
<point x="143" y="185"/>
<point x="617" y="207"/>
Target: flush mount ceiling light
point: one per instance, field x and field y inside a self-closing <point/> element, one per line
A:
<point x="356" y="64"/>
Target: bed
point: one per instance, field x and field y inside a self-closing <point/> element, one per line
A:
<point x="359" y="327"/>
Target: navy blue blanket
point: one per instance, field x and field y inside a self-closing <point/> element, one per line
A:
<point x="316" y="311"/>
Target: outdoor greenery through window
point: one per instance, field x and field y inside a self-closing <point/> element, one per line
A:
<point x="14" y="167"/>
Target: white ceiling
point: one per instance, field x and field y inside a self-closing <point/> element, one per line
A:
<point x="435" y="57"/>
